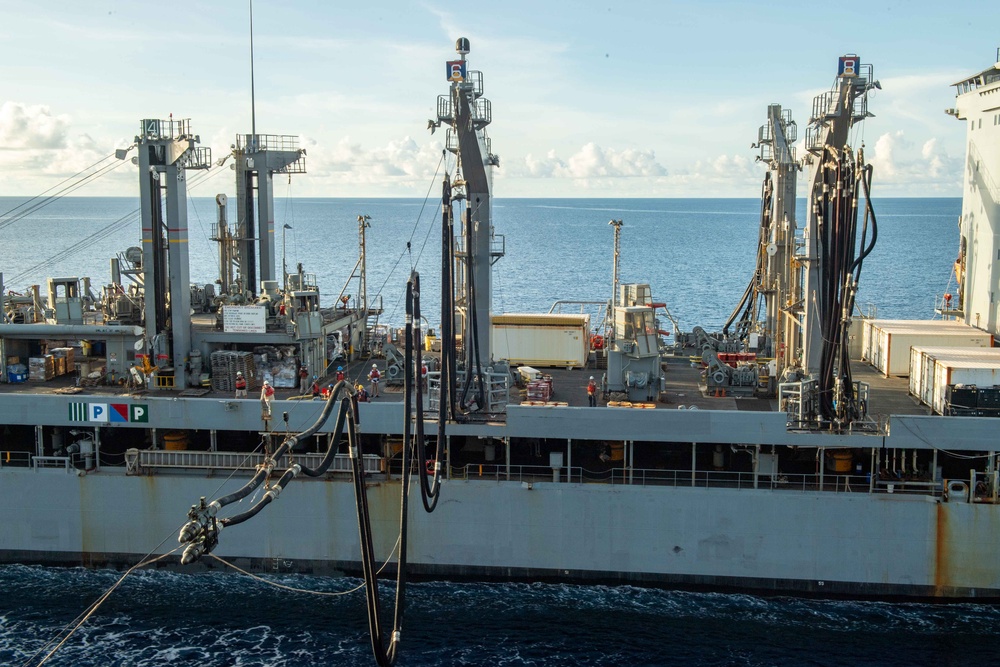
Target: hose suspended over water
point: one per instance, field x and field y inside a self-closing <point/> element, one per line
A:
<point x="413" y="386"/>
<point x="201" y="532"/>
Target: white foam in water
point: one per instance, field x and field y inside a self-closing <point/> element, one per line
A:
<point x="159" y="618"/>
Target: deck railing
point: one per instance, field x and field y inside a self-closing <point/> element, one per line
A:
<point x="138" y="461"/>
<point x="699" y="479"/>
<point x="979" y="488"/>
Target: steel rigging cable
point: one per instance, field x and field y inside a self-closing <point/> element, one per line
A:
<point x="101" y="234"/>
<point x="61" y="193"/>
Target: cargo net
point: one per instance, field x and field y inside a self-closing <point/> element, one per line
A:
<point x="225" y="365"/>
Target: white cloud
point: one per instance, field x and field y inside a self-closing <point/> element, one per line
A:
<point x="591" y="161"/>
<point x="398" y="163"/>
<point x="30" y="127"/>
<point x="900" y="163"/>
<point x="39" y="148"/>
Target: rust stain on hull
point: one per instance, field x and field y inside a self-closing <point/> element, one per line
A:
<point x="941" y="564"/>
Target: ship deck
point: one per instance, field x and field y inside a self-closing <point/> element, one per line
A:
<point x="684" y="389"/>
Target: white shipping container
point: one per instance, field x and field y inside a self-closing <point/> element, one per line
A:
<point x="856" y="337"/>
<point x="916" y="370"/>
<point x="981" y="373"/>
<point x="542" y="340"/>
<point x="891" y="343"/>
<point x="922" y="365"/>
<point x="869" y="334"/>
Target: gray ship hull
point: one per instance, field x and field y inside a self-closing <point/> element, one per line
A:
<point x="767" y="540"/>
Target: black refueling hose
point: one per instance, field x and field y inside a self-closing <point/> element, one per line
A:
<point x="843" y="254"/>
<point x="747" y="302"/>
<point x="473" y="363"/>
<point x="413" y="384"/>
<point x="202" y="530"/>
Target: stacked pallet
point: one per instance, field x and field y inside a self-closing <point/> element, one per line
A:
<point x="225" y="365"/>
<point x="540" y="390"/>
<point x="63" y="360"/>
<point x="41" y="369"/>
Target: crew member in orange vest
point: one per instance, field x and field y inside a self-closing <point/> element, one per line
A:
<point x="592" y="392"/>
<point x="241" y="386"/>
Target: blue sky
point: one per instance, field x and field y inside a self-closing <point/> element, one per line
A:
<point x="636" y="99"/>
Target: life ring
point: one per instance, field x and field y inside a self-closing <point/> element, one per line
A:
<point x="431" y="465"/>
<point x="597" y="342"/>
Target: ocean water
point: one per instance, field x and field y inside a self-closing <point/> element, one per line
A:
<point x="696" y="253"/>
<point x="159" y="618"/>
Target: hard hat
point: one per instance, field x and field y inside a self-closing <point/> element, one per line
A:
<point x="340" y="368"/>
<point x="314" y="377"/>
<point x="239" y="374"/>
<point x="591" y="377"/>
<point x="374" y="365"/>
<point x="266" y="383"/>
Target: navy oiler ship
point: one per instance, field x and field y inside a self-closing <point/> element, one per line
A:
<point x="802" y="449"/>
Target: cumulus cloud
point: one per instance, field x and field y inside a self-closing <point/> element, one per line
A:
<point x="401" y="162"/>
<point x="899" y="162"/>
<point x="31" y="127"/>
<point x="591" y="161"/>
<point x="38" y="145"/>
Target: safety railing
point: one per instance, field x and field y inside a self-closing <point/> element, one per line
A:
<point x="52" y="462"/>
<point x="159" y="128"/>
<point x="717" y="479"/>
<point x="15" y="459"/>
<point x="197" y="157"/>
<point x="445" y="109"/>
<point x="267" y="142"/>
<point x="149" y="460"/>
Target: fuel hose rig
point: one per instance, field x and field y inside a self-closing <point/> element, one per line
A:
<point x="201" y="533"/>
<point x="456" y="404"/>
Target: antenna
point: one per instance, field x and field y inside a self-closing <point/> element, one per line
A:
<point x="253" y="103"/>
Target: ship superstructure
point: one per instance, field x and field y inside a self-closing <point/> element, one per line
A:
<point x="978" y="264"/>
<point x="755" y="493"/>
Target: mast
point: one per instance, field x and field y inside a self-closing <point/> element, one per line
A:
<point x="834" y="114"/>
<point x="615" y="277"/>
<point x="822" y="392"/>
<point x="167" y="148"/>
<point x="467" y="113"/>
<point x="777" y="152"/>
<point x="258" y="158"/>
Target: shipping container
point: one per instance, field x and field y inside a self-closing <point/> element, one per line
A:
<point x="869" y="334"/>
<point x="541" y="340"/>
<point x="922" y="366"/>
<point x="984" y="374"/>
<point x="889" y="341"/>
